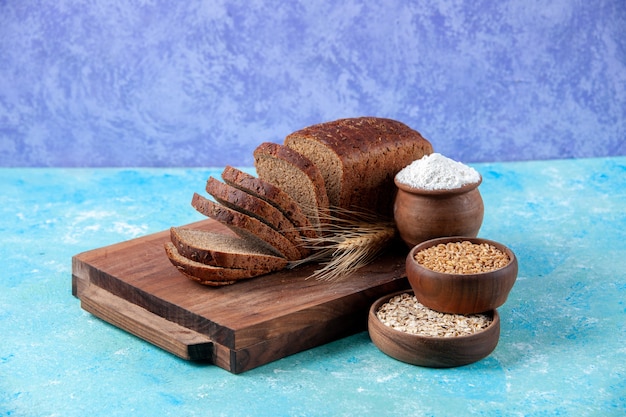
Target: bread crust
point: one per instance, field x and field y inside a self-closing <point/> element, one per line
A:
<point x="273" y="195"/>
<point x="268" y="153"/>
<point x="246" y="226"/>
<point x="224" y="250"/>
<point x="258" y="208"/>
<point x="207" y="274"/>
<point x="370" y="152"/>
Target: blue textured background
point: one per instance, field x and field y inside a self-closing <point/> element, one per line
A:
<point x="561" y="353"/>
<point x="192" y="83"/>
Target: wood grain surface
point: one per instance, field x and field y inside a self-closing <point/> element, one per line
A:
<point x="132" y="285"/>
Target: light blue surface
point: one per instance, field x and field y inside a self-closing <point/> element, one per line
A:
<point x="562" y="349"/>
<point x="201" y="83"/>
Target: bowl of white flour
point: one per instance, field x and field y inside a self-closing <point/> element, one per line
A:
<point x="437" y="197"/>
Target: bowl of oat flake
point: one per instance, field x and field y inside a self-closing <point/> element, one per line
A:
<point x="406" y="330"/>
<point x="461" y="275"/>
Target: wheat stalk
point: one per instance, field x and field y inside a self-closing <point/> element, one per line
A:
<point x="348" y="242"/>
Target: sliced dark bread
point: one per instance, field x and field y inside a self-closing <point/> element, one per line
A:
<point x="273" y="195"/>
<point x="247" y="227"/>
<point x="207" y="274"/>
<point x="297" y="176"/>
<point x="258" y="208"/>
<point x="224" y="250"/>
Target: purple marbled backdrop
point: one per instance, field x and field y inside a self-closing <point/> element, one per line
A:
<point x="202" y="83"/>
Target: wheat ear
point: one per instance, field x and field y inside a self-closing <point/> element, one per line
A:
<point x="349" y="241"/>
<point x="355" y="249"/>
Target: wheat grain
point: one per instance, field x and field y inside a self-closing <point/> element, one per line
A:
<point x="462" y="258"/>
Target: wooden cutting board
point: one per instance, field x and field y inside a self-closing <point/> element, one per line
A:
<point x="133" y="286"/>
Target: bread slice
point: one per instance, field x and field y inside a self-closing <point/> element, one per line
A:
<point x="258" y="208"/>
<point x="359" y="158"/>
<point x="247" y="227"/>
<point x="296" y="175"/>
<point x="207" y="274"/>
<point x="224" y="250"/>
<point x="273" y="195"/>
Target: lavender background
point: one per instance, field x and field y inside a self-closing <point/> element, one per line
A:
<point x="202" y="83"/>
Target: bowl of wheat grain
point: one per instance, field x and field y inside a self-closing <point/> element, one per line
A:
<point x="461" y="275"/>
<point x="404" y="329"/>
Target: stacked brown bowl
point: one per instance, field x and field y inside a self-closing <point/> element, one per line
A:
<point x="448" y="293"/>
<point x="458" y="280"/>
<point x="461" y="293"/>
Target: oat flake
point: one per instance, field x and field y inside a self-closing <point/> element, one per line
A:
<point x="404" y="313"/>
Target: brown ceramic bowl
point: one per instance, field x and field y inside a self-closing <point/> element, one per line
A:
<point x="461" y="293"/>
<point x="421" y="214"/>
<point x="433" y="352"/>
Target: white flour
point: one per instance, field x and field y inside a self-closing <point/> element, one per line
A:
<point x="437" y="172"/>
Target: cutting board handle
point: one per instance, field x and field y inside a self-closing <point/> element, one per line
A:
<point x="176" y="339"/>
